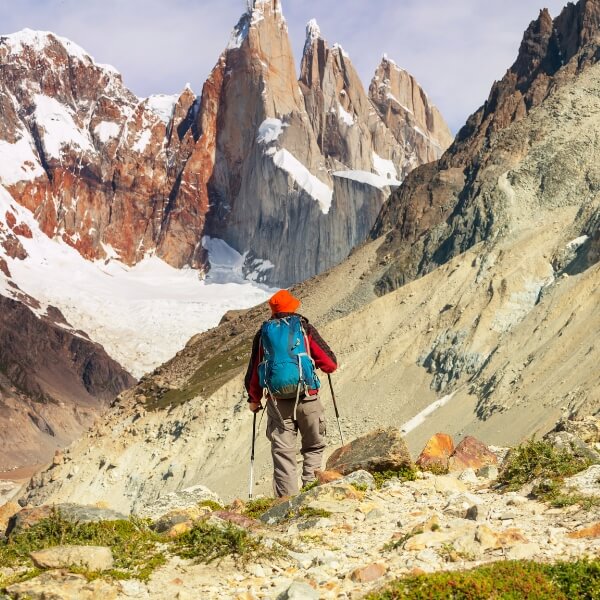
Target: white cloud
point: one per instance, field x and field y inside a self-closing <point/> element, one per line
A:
<point x="455" y="49"/>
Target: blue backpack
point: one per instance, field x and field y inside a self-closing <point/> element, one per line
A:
<point x="287" y="366"/>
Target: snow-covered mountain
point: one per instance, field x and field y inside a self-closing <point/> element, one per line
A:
<point x="138" y="222"/>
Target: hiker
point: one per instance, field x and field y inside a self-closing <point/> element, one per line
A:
<point x="285" y="352"/>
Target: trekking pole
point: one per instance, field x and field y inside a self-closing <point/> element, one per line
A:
<point x="337" y="414"/>
<point x="252" y="458"/>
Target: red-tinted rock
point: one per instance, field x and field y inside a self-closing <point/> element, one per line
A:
<point x="436" y="453"/>
<point x="471" y="453"/>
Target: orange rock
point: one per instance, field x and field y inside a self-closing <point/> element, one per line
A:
<point x="436" y="453"/>
<point x="237" y="506"/>
<point x="369" y="573"/>
<point x="6" y="512"/>
<point x="416" y="571"/>
<point x="327" y="476"/>
<point x="471" y="453"/>
<point x="593" y="531"/>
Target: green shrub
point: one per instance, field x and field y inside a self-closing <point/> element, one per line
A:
<point x="206" y="543"/>
<point x="255" y="508"/>
<point x="540" y="461"/>
<point x="510" y="580"/>
<point x="135" y="547"/>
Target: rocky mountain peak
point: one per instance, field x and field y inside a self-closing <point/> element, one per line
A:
<point x="407" y="110"/>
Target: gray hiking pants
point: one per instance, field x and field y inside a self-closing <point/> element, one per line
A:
<point x="282" y="432"/>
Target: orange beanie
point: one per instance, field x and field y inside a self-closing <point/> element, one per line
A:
<point x="283" y="302"/>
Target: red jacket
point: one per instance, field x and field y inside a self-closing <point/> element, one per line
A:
<point x="319" y="350"/>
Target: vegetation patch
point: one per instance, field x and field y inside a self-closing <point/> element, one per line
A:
<point x="540" y="462"/>
<point x="210" y="504"/>
<point x="215" y="371"/>
<point x="254" y="509"/>
<point x="407" y="473"/>
<point x="509" y="580"/>
<point x="206" y="543"/>
<point x="137" y="550"/>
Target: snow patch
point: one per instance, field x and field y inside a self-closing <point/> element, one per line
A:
<point x="367" y="178"/>
<point x="142" y="315"/>
<point x="577" y="242"/>
<point x="384" y="167"/>
<point x="162" y="106"/>
<point x="39" y="40"/>
<point x="142" y="141"/>
<point x="345" y="116"/>
<point x="59" y="127"/>
<point x="107" y="130"/>
<point x="18" y="161"/>
<point x="312" y="185"/>
<point x="226" y="263"/>
<point x="270" y="130"/>
<point x="419" y="419"/>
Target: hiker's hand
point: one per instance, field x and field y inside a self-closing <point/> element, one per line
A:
<point x="254" y="406"/>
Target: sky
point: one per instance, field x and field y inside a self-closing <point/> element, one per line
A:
<point x="455" y="48"/>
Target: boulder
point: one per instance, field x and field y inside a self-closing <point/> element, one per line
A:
<point x="437" y="451"/>
<point x="471" y="453"/>
<point x="299" y="591"/>
<point x="586" y="429"/>
<point x="92" y="558"/>
<point x="58" y="585"/>
<point x="380" y="450"/>
<point x="359" y="478"/>
<point x="566" y="440"/>
<point x="28" y="517"/>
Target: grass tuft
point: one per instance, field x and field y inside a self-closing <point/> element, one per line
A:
<point x="510" y="580"/>
<point x="407" y="473"/>
<point x="254" y="509"/>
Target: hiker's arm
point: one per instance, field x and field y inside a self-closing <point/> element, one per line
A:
<point x="321" y="353"/>
<point x="251" y="380"/>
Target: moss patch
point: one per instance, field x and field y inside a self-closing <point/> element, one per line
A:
<point x="214" y="371"/>
<point x="510" y="580"/>
<point x="256" y="508"/>
<point x="408" y="473"/>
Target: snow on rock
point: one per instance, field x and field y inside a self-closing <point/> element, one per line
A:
<point x="142" y="315"/>
<point x="19" y="161"/>
<point x="385" y="168"/>
<point x="577" y="242"/>
<point x="226" y="263"/>
<point x="312" y="185"/>
<point x="270" y="130"/>
<point x="39" y="40"/>
<point x="162" y="105"/>
<point x="142" y="141"/>
<point x="368" y="178"/>
<point x="338" y="48"/>
<point x="59" y="127"/>
<point x="313" y="32"/>
<point x="345" y="116"/>
<point x="107" y="131"/>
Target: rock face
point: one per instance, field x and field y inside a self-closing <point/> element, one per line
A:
<point x="446" y="207"/>
<point x="53" y="384"/>
<point x="409" y="114"/>
<point x="253" y="160"/>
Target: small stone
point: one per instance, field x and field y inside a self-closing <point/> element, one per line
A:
<point x="523" y="551"/>
<point x="360" y="478"/>
<point x="593" y="531"/>
<point x="369" y="573"/>
<point x="299" y="591"/>
<point x="257" y="571"/>
<point x="448" y="485"/>
<point x="488" y="472"/>
<point x="468" y="476"/>
<point x="93" y="558"/>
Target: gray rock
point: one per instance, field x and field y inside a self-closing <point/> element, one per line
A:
<point x="299" y="591"/>
<point x="176" y="500"/>
<point x="564" y="440"/>
<point x="93" y="558"/>
<point x="488" y="472"/>
<point x="587" y="482"/>
<point x="361" y="478"/>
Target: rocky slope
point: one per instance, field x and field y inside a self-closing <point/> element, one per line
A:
<point x="499" y="342"/>
<point x="447" y="207"/>
<point x="53" y="384"/>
